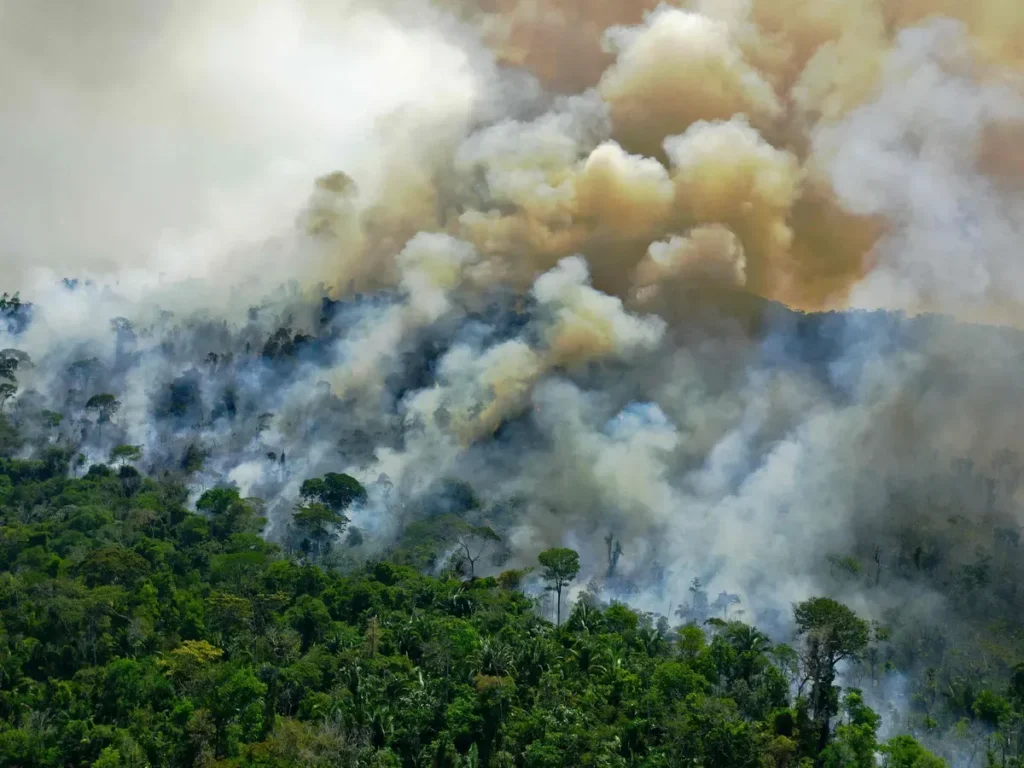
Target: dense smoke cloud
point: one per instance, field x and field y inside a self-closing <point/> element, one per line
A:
<point x="175" y="140"/>
<point x="554" y="251"/>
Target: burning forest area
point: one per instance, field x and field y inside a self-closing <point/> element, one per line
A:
<point x="512" y="383"/>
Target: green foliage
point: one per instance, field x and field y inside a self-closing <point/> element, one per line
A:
<point x="848" y="567"/>
<point x="105" y="405"/>
<point x="560" y="566"/>
<point x="991" y="709"/>
<point x="51" y="419"/>
<point x="905" y="752"/>
<point x="319" y="523"/>
<point x="9" y="302"/>
<point x="831" y="629"/>
<point x="229" y="513"/>
<point x="194" y="459"/>
<point x="10" y="438"/>
<point x="9" y="361"/>
<point x="7" y="391"/>
<point x="125" y="454"/>
<point x="831" y="633"/>
<point x="136" y="633"/>
<point x="336" y="491"/>
<point x="855" y="744"/>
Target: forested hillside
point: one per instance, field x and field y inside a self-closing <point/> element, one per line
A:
<point x="153" y="616"/>
<point x="493" y="383"/>
<point x="135" y="632"/>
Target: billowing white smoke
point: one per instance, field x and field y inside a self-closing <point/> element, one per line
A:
<point x="556" y="299"/>
<point x="168" y="141"/>
<point x="916" y="156"/>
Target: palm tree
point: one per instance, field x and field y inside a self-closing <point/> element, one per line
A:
<point x="584" y="618"/>
<point x="747" y="639"/>
<point x="494" y="658"/>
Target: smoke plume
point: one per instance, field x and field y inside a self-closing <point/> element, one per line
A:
<point x="608" y="264"/>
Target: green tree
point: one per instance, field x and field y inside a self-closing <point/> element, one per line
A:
<point x="319" y="523"/>
<point x="831" y="633"/>
<point x="560" y="566"/>
<point x="126" y="454"/>
<point x="991" y="709"/>
<point x="10" y="359"/>
<point x="134" y="632"/>
<point x="855" y="743"/>
<point x="51" y="419"/>
<point x="236" y="705"/>
<point x="229" y="513"/>
<point x="194" y="458"/>
<point x="1016" y="688"/>
<point x="905" y="752"/>
<point x="113" y="565"/>
<point x="126" y="754"/>
<point x="190" y="660"/>
<point x="10" y="303"/>
<point x="7" y="391"/>
<point x="105" y="405"/>
<point x="336" y="491"/>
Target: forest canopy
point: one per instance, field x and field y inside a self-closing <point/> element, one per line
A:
<point x="136" y="632"/>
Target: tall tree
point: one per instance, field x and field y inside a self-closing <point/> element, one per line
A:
<point x="126" y="454"/>
<point x="614" y="553"/>
<point x="561" y="565"/>
<point x="9" y="361"/>
<point x="335" y="490"/>
<point x="319" y="524"/>
<point x="831" y="633"/>
<point x="8" y="366"/>
<point x="229" y="513"/>
<point x="7" y="391"/>
<point x="105" y="405"/>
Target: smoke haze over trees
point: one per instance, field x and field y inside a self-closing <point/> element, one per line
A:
<point x="725" y="297"/>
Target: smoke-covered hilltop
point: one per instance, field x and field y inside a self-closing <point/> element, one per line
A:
<point x="597" y="274"/>
<point x="745" y="450"/>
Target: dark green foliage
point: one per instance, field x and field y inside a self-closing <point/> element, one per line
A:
<point x="229" y="514"/>
<point x="318" y="524"/>
<point x="10" y="359"/>
<point x="15" y="314"/>
<point x="905" y="752"/>
<point x="831" y="633"/>
<point x="9" y="303"/>
<point x="10" y="438"/>
<point x="337" y="491"/>
<point x="105" y="405"/>
<point x="125" y="454"/>
<point x="182" y="399"/>
<point x="134" y="632"/>
<point x="282" y="344"/>
<point x="194" y="459"/>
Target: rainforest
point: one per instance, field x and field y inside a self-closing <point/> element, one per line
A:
<point x="512" y="383"/>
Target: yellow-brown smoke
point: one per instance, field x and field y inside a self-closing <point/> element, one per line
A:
<point x="695" y="129"/>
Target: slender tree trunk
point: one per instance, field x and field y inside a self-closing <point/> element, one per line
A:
<point x="823" y="737"/>
<point x="821" y="693"/>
